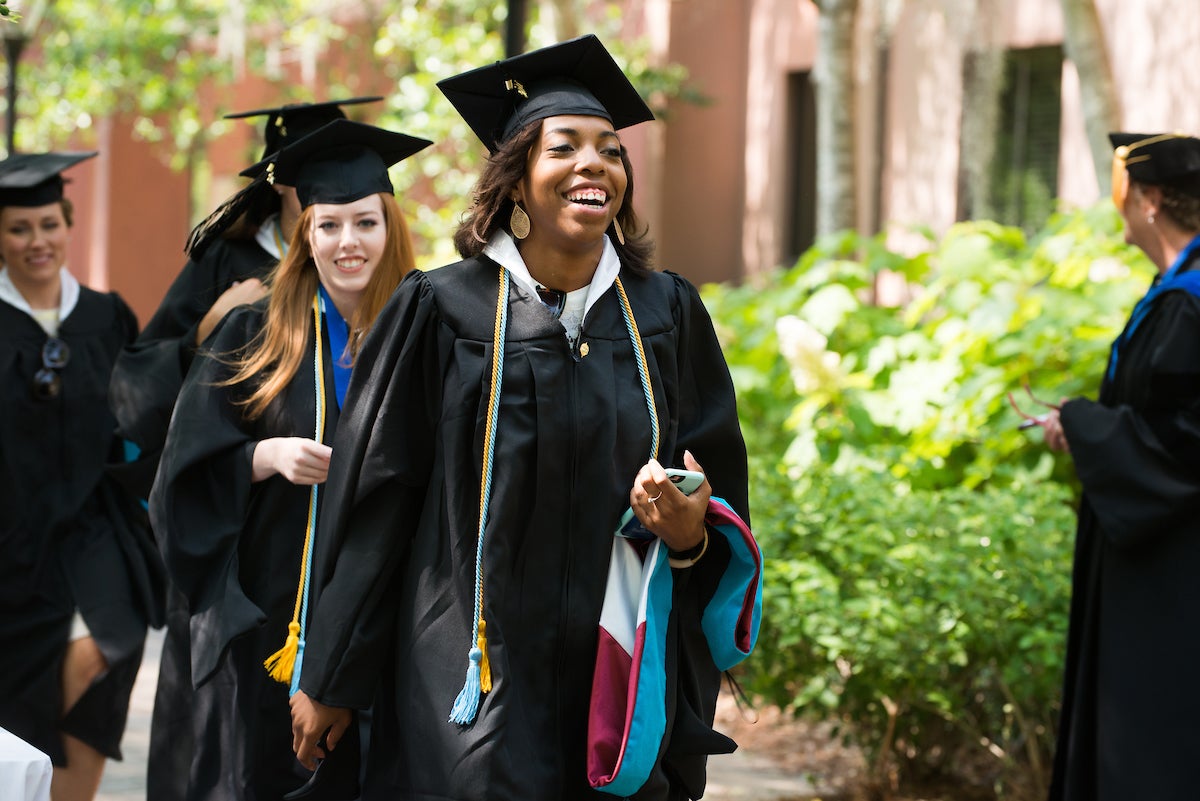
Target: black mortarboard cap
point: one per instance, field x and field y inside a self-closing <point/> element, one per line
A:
<point x="34" y="179"/>
<point x="341" y="162"/>
<point x="291" y="122"/>
<point x="578" y="76"/>
<point x="285" y="124"/>
<point x="1167" y="159"/>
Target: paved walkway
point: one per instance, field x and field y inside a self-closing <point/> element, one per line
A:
<point x="742" y="776"/>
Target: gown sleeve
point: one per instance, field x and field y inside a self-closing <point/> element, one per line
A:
<point x="106" y="551"/>
<point x="1139" y="462"/>
<point x="202" y="493"/>
<point x="377" y="484"/>
<point x="708" y="421"/>
<point x="130" y="520"/>
<point x="708" y="609"/>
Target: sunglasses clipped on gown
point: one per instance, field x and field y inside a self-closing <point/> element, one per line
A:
<point x="553" y="299"/>
<point x="47" y="381"/>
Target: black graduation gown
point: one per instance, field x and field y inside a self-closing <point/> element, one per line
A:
<point x="233" y="549"/>
<point x="1129" y="717"/>
<point x="396" y="561"/>
<point x="70" y="536"/>
<point x="145" y="384"/>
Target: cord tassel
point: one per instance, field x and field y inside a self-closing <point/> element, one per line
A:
<point x="280" y="664"/>
<point x="485" y="667"/>
<point x="284" y="665"/>
<point x="466" y="705"/>
<point x="479" y="673"/>
<point x="295" y="685"/>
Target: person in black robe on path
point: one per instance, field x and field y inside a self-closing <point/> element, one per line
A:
<point x="230" y="255"/>
<point x="248" y="446"/>
<point x="1128" y="727"/>
<point x="79" y="579"/>
<point x="475" y="488"/>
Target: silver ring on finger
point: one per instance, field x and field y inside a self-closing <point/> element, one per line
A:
<point x="655" y="498"/>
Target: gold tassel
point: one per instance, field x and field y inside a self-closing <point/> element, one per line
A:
<point x="1120" y="178"/>
<point x="485" y="667"/>
<point x="281" y="663"/>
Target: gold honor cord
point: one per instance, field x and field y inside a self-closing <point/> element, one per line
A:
<point x="281" y="663"/>
<point x="479" y="675"/>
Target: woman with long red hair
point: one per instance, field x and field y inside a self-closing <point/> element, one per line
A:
<point x="237" y="491"/>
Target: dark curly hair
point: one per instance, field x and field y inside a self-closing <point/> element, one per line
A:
<point x="491" y="207"/>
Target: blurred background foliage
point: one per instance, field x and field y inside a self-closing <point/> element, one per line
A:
<point x="918" y="545"/>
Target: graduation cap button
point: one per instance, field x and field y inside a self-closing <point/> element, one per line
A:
<point x="513" y="85"/>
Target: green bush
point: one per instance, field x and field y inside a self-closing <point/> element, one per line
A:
<point x="918" y="545"/>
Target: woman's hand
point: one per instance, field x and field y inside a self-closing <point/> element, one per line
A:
<point x="299" y="460"/>
<point x="310" y="719"/>
<point x="675" y="518"/>
<point x="1056" y="439"/>
<point x="238" y="294"/>
<point x="1050" y="422"/>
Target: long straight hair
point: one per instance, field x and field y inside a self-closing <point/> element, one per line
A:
<point x="273" y="357"/>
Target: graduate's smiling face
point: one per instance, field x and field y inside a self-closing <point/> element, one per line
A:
<point x="347" y="242"/>
<point x="574" y="183"/>
<point x="33" y="243"/>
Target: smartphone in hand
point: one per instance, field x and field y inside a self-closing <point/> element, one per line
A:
<point x="688" y="481"/>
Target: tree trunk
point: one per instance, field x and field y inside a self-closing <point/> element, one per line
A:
<point x="833" y="76"/>
<point x="564" y="17"/>
<point x="514" y="28"/>
<point x="1085" y="45"/>
<point x="983" y="83"/>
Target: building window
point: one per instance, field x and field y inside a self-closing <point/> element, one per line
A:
<point x="801" y="167"/>
<point x="1023" y="183"/>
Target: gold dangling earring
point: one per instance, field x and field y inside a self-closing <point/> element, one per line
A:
<point x="617" y="230"/>
<point x="518" y="222"/>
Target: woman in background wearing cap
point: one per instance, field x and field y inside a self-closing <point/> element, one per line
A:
<point x="76" y="575"/>
<point x="230" y="254"/>
<point x="1129" y="711"/>
<point x="248" y="446"/>
<point x="475" y="489"/>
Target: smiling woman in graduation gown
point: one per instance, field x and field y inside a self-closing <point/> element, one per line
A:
<point x="1129" y="713"/>
<point x="79" y="578"/>
<point x="247" y="446"/>
<point x="230" y="254"/>
<point x="404" y="559"/>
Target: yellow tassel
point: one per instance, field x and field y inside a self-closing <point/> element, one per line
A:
<point x="280" y="664"/>
<point x="485" y="668"/>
